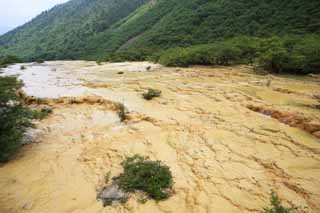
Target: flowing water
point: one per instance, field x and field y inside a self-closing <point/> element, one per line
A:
<point x="230" y="136"/>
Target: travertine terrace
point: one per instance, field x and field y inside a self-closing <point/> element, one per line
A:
<point x="229" y="135"/>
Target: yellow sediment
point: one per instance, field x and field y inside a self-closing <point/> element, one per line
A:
<point x="224" y="156"/>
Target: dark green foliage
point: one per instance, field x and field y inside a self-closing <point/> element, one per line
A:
<point x="277" y="207"/>
<point x="226" y="54"/>
<point x="7" y="60"/>
<point x="291" y="54"/>
<point x="287" y="54"/>
<point x="13" y="123"/>
<point x="152" y="93"/>
<point x="129" y="55"/>
<point x="122" y="112"/>
<point x="192" y="22"/>
<point x="14" y="118"/>
<point x="67" y="31"/>
<point x="40" y="61"/>
<point x="149" y="176"/>
<point x="41" y="114"/>
<point x="8" y="88"/>
<point x="219" y="53"/>
<point x="92" y="29"/>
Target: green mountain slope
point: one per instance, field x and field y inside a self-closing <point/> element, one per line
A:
<point x="201" y="21"/>
<point x="65" y="30"/>
<point x="93" y="28"/>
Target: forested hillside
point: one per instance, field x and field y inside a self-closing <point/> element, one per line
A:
<point x="64" y="31"/>
<point x="91" y="29"/>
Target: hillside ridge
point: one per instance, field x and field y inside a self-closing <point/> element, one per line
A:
<point x="83" y="29"/>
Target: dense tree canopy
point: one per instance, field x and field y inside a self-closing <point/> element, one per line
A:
<point x="92" y="29"/>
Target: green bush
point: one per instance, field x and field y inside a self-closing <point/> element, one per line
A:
<point x="249" y="49"/>
<point x="148" y="176"/>
<point x="43" y="113"/>
<point x="122" y="112"/>
<point x="287" y="54"/>
<point x="290" y="54"/>
<point x="13" y="123"/>
<point x="183" y="57"/>
<point x="152" y="93"/>
<point x="129" y="55"/>
<point x="40" y="61"/>
<point x="14" y="118"/>
<point x="277" y="207"/>
<point x="8" y="88"/>
<point x="226" y="54"/>
<point x="220" y="53"/>
<point x="7" y="60"/>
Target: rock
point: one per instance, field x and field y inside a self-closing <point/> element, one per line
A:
<point x="312" y="127"/>
<point x="27" y="206"/>
<point x="92" y="100"/>
<point x="31" y="135"/>
<point x="317" y="134"/>
<point x="112" y="194"/>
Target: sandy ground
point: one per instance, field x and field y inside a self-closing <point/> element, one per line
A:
<point x="224" y="156"/>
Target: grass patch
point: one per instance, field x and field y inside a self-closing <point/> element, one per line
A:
<point x="107" y="177"/>
<point x="151" y="177"/>
<point x="41" y="114"/>
<point x="151" y="93"/>
<point x="276" y="206"/>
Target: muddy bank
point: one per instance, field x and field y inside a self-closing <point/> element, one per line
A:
<point x="224" y="157"/>
<point x="309" y="125"/>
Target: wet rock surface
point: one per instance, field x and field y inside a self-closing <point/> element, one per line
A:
<point x="32" y="136"/>
<point x="112" y="194"/>
<point x="224" y="157"/>
<point x="309" y="125"/>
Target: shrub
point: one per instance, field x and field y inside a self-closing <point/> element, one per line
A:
<point x="152" y="93"/>
<point x="7" y="60"/>
<point x="129" y="55"/>
<point x="148" y="176"/>
<point x="183" y="57"/>
<point x="13" y="123"/>
<point x="277" y="207"/>
<point x="14" y="118"/>
<point x="43" y="113"/>
<point x="290" y="54"/>
<point x="99" y="62"/>
<point x="122" y="112"/>
<point x="248" y="47"/>
<point x="40" y="61"/>
<point x="226" y="54"/>
<point x="219" y="53"/>
<point x="107" y="177"/>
